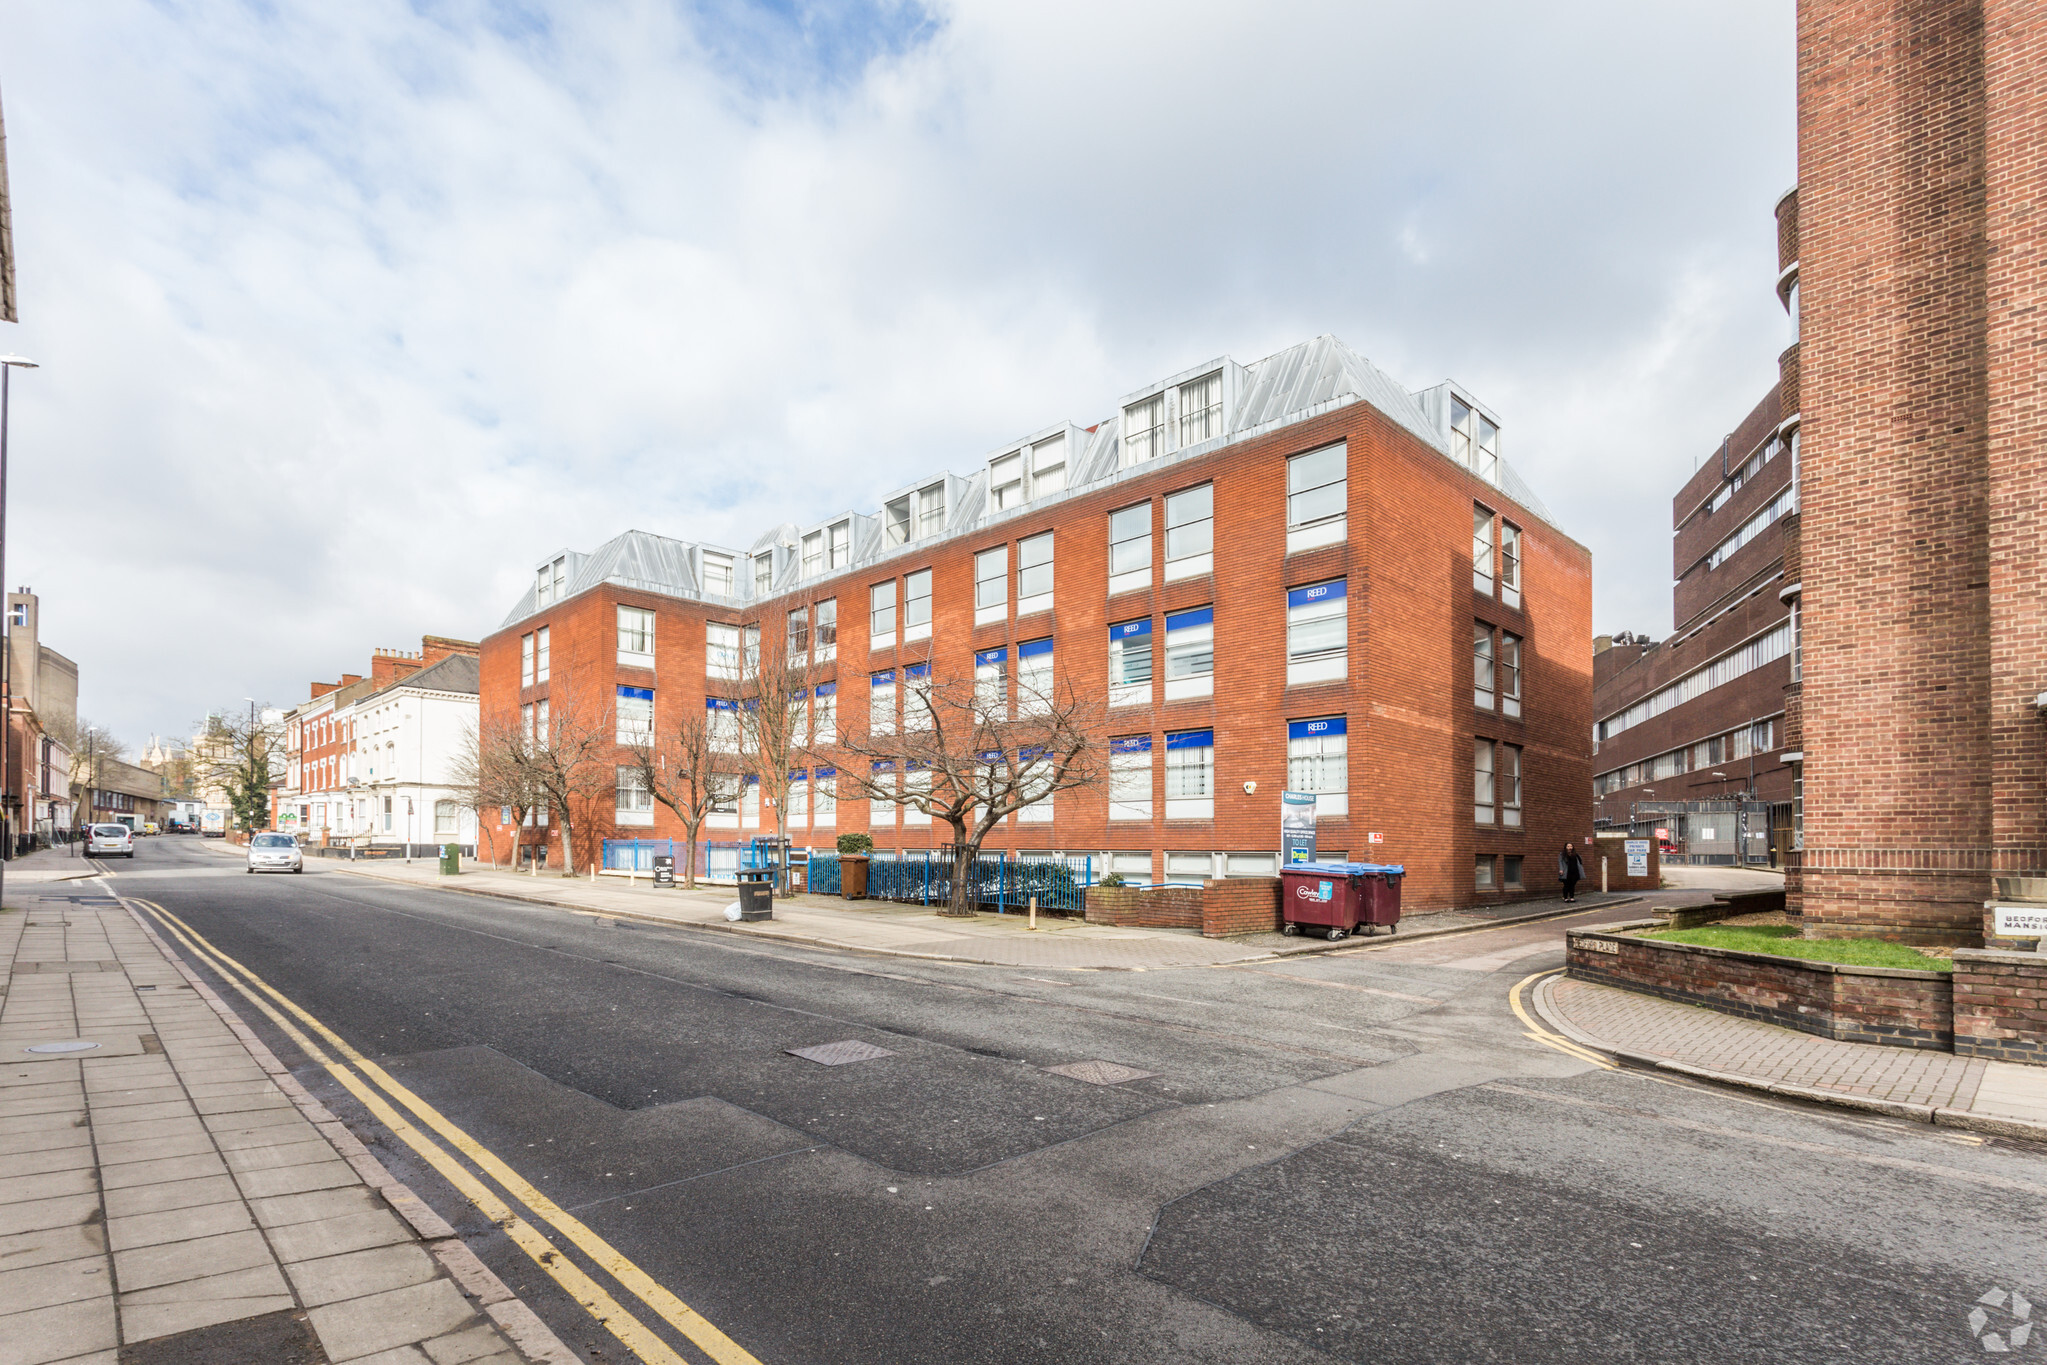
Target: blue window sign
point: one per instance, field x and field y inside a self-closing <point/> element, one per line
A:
<point x="829" y="689"/>
<point x="1031" y="649"/>
<point x="1191" y="739"/>
<point x="1321" y="592"/>
<point x="991" y="656"/>
<point x="1310" y="729"/>
<point x="1132" y="744"/>
<point x="637" y="693"/>
<point x="1187" y="620"/>
<point x="887" y="679"/>
<point x="1130" y="628"/>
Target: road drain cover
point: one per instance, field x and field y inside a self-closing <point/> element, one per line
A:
<point x="1100" y="1073"/>
<point x="838" y="1054"/>
<point x="74" y="1045"/>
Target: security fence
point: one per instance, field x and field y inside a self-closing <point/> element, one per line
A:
<point x="1002" y="881"/>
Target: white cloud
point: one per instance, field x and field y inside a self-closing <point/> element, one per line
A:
<point x="349" y="314"/>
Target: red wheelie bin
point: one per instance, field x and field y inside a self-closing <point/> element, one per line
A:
<point x="1340" y="898"/>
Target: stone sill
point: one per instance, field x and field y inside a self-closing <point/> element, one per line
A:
<point x="2002" y="957"/>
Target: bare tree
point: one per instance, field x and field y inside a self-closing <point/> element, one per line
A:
<point x="964" y="755"/>
<point x="687" y="770"/>
<point x="492" y="769"/>
<point x="233" y="755"/>
<point x="774" y="694"/>
<point x="570" y="762"/>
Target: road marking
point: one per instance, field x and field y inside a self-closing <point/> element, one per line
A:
<point x="1545" y="1035"/>
<point x="635" y="1335"/>
<point x="1341" y="985"/>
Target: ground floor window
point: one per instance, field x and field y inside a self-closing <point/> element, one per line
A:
<point x="1482" y="872"/>
<point x="447" y="817"/>
<point x="1513" y="871"/>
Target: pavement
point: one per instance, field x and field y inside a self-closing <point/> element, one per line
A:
<point x="1373" y="1155"/>
<point x="1917" y="1083"/>
<point x="917" y="931"/>
<point x="171" y="1194"/>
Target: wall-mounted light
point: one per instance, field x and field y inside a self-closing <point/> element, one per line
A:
<point x="1250" y="787"/>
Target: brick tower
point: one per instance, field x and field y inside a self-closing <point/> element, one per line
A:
<point x="1919" y="224"/>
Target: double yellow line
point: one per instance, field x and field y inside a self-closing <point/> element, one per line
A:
<point x="364" y="1079"/>
<point x="1546" y="1036"/>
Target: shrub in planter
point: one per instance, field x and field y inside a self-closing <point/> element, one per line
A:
<point x="855" y="843"/>
<point x="1113" y="879"/>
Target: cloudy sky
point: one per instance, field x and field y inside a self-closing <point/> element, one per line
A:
<point x="350" y="313"/>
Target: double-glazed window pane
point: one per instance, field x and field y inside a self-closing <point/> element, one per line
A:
<point x="1482" y="781"/>
<point x="1190" y="654"/>
<point x="1130" y="778"/>
<point x="1034" y="571"/>
<point x="636" y="634"/>
<point x="1201" y="409"/>
<point x="1316" y="486"/>
<point x="1144" y="430"/>
<point x="1510" y="674"/>
<point x="718" y="574"/>
<point x="991" y="585"/>
<point x="764" y="574"/>
<point x="991" y="684"/>
<point x="1130" y="548"/>
<point x="1005" y="482"/>
<point x="1482" y="665"/>
<point x="542" y="649"/>
<point x="1510" y="785"/>
<point x="827" y="714"/>
<point x="881" y="611"/>
<point x="1033" y="676"/>
<point x="917" y="605"/>
<point x="1482" y="550"/>
<point x="1510" y="564"/>
<point x="525" y="660"/>
<point x="1190" y="775"/>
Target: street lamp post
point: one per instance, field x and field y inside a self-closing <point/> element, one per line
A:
<point x="8" y="365"/>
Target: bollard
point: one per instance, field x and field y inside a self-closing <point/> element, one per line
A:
<point x="1602" y="874"/>
<point x="1034" y="912"/>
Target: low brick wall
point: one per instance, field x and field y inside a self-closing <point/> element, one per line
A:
<point x="1219" y="909"/>
<point x="1893" y="1007"/>
<point x="1723" y="906"/>
<point x="2001" y="1005"/>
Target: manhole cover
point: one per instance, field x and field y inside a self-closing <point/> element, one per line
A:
<point x="838" y="1054"/>
<point x="1100" y="1073"/>
<point x="74" y="1045"/>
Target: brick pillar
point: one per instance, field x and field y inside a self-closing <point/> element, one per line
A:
<point x="1897" y="505"/>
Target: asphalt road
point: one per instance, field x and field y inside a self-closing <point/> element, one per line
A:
<point x="1361" y="1156"/>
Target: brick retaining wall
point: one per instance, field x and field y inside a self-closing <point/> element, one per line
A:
<point x="1219" y="909"/>
<point x="2000" y="1007"/>
<point x="1893" y="1007"/>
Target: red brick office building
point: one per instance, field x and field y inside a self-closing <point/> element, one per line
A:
<point x="1916" y="258"/>
<point x="1289" y="574"/>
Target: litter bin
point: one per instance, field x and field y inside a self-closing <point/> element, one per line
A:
<point x="451" y="859"/>
<point x="756" y="895"/>
<point x="1340" y="897"/>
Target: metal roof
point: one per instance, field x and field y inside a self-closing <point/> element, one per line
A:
<point x="1293" y="385"/>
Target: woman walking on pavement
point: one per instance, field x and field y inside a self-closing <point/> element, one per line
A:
<point x="1570" y="869"/>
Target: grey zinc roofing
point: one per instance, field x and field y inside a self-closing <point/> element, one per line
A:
<point x="1293" y="385"/>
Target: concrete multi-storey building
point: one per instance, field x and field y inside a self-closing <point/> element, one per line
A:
<point x="371" y="759"/>
<point x="1690" y="734"/>
<point x="1917" y="257"/>
<point x="1294" y="573"/>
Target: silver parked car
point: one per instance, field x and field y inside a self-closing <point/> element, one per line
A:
<point x="109" y="841"/>
<point x="275" y="853"/>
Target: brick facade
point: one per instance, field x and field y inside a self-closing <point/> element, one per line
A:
<point x="1219" y="909"/>
<point x="1408" y="695"/>
<point x="2001" y="1005"/>
<point x="1925" y="620"/>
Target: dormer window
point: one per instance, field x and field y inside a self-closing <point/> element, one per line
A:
<point x="813" y="554"/>
<point x="1474" y="440"/>
<point x="1144" y="430"/>
<point x="1048" y="466"/>
<point x="717" y="573"/>
<point x="1006" y="482"/>
<point x="931" y="512"/>
<point x="764" y="574"/>
<point x="895" y="521"/>
<point x="1201" y="409"/>
<point x="554" y="579"/>
<point x="839" y="544"/>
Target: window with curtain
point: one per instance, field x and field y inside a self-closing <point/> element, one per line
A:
<point x="634" y="709"/>
<point x="447" y="818"/>
<point x="1317" y="643"/>
<point x="1006" y="482"/>
<point x="1482" y="550"/>
<point x="1048" y="467"/>
<point x="1483" y="796"/>
<point x="635" y="804"/>
<point x="1190" y="775"/>
<point x="1130" y="663"/>
<point x="1130" y="778"/>
<point x="1318" y="760"/>
<point x="1144" y="430"/>
<point x="1201" y="409"/>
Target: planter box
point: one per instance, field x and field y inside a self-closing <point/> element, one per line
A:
<point x="1891" y="1006"/>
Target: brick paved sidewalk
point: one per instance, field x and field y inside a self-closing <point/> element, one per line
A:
<point x="173" y="1194"/>
<point x="915" y="930"/>
<point x="1765" y="1055"/>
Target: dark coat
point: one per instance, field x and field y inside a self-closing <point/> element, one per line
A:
<point x="1570" y="868"/>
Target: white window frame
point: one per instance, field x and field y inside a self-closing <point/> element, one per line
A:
<point x="1190" y="540"/>
<point x="881" y="810"/>
<point x="1131" y="864"/>
<point x="826" y="618"/>
<point x="1038" y="812"/>
<point x="1190" y="777"/>
<point x="543" y="650"/>
<point x="799" y="801"/>
<point x="1318" y="761"/>
<point x="796" y="636"/>
<point x="525" y="661"/>
<point x="634" y="804"/>
<point x="916" y="782"/>
<point x="1132" y="552"/>
<point x="1006" y="482"/>
<point x="1250" y="865"/>
<point x="824" y="785"/>
<point x="824" y="714"/>
<point x="718" y="568"/>
<point x="1144" y="431"/>
<point x="1482" y="522"/>
<point x="749" y="802"/>
<point x="1484" y="790"/>
<point x="1201" y="409"/>
<point x="931" y="511"/>
<point x="1309" y="522"/>
<point x="1048" y="466"/>
<point x="917" y="605"/>
<point x="452" y="824"/>
<point x="1128" y="640"/>
<point x="1474" y="440"/>
<point x="898" y="520"/>
<point x="1309" y="662"/>
<point x="838" y="545"/>
<point x="1510" y="785"/>
<point x="991" y="684"/>
<point x="813" y="555"/>
<point x="1484" y="683"/>
<point x="635" y="637"/>
<point x="917" y="697"/>
<point x="725" y="728"/>
<point x="721" y="650"/>
<point x="1130" y="778"/>
<point x="881" y="703"/>
<point x="1510" y="563"/>
<point x="634" y="715"/>
<point x="1034" y="686"/>
<point x="764" y="575"/>
<point x="1190" y="654"/>
<point x="991" y="585"/>
<point x="1035" y="570"/>
<point x="1512" y="648"/>
<point x="881" y="618"/>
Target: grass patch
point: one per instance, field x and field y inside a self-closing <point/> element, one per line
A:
<point x="1783" y="940"/>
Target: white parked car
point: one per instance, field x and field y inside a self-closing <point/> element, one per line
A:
<point x="275" y="853"/>
<point x="109" y="841"/>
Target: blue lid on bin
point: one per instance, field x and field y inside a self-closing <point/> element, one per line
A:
<point x="1345" y="869"/>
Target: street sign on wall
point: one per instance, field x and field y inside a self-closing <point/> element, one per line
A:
<point x="1638" y="857"/>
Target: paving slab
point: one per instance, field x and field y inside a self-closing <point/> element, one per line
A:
<point x="131" y="1177"/>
